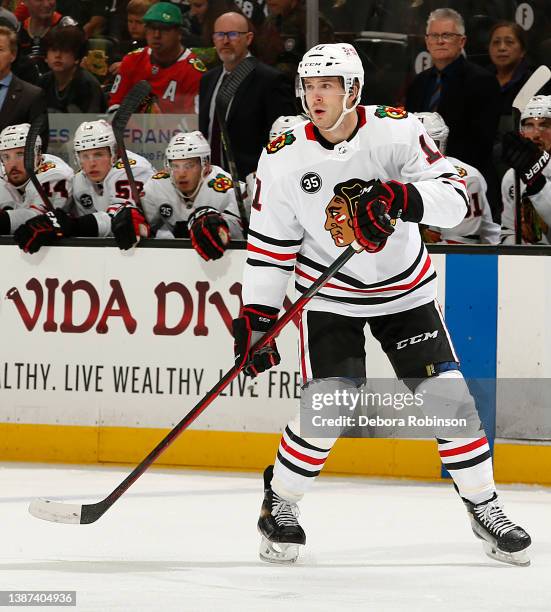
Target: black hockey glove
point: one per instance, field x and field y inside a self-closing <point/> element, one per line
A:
<point x="527" y="159"/>
<point x="253" y="323"/>
<point x="43" y="230"/>
<point x="181" y="230"/>
<point x="209" y="232"/>
<point x="5" y="223"/>
<point x="379" y="207"/>
<point x="128" y="226"/>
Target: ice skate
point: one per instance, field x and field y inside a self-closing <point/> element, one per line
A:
<point x="503" y="540"/>
<point x="281" y="533"/>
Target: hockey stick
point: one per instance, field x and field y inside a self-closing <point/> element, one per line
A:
<point x="60" y="512"/>
<point x="223" y="100"/>
<point x="538" y="79"/>
<point x="129" y="105"/>
<point x="29" y="158"/>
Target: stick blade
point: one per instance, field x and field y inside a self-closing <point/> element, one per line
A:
<point x="56" y="512"/>
<point x="538" y="79"/>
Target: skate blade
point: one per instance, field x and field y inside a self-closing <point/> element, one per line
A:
<point x="277" y="552"/>
<point x="519" y="558"/>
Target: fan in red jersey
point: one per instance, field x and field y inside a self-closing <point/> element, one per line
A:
<point x="173" y="71"/>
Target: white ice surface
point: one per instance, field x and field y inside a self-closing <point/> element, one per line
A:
<point x="185" y="540"/>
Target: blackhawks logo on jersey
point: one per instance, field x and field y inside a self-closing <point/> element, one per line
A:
<point x="161" y="175"/>
<point x="391" y="112"/>
<point x="198" y="64"/>
<point x="281" y="141"/>
<point x="120" y="166"/>
<point x="45" y="167"/>
<point x="461" y="171"/>
<point x="221" y="183"/>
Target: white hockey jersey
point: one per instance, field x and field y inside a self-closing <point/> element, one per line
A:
<point x="299" y="223"/>
<point x="104" y="199"/>
<point x="165" y="205"/>
<point x="540" y="201"/>
<point x="55" y="176"/>
<point x="478" y="226"/>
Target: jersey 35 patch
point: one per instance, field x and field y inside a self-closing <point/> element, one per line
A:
<point x="391" y="112"/>
<point x="220" y="183"/>
<point x="165" y="210"/>
<point x="287" y="138"/>
<point x="86" y="201"/>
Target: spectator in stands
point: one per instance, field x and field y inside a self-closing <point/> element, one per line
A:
<point x="173" y="71"/>
<point x="8" y="19"/>
<point x="528" y="154"/>
<point x="68" y="87"/>
<point x="283" y="35"/>
<point x="20" y="102"/>
<point x="135" y="34"/>
<point x="260" y="99"/>
<point x="465" y="94"/>
<point x="90" y="15"/>
<point x="42" y="17"/>
<point x="507" y="50"/>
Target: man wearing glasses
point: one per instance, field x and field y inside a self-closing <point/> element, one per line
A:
<point x="173" y="71"/>
<point x="529" y="154"/>
<point x="466" y="95"/>
<point x="260" y="99"/>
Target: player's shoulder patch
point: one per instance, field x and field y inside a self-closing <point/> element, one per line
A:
<point x="161" y="175"/>
<point x="197" y="64"/>
<point x="44" y="167"/>
<point x="461" y="171"/>
<point x="120" y="166"/>
<point x="283" y="140"/>
<point x="220" y="183"/>
<point x="390" y="112"/>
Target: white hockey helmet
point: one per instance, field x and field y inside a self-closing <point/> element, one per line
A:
<point x="285" y="123"/>
<point x="338" y="59"/>
<point x="436" y="128"/>
<point x="186" y="145"/>
<point x="15" y="136"/>
<point x="538" y="107"/>
<point x="94" y="135"/>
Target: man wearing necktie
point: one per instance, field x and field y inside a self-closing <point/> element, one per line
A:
<point x="466" y="95"/>
<point x="20" y="102"/>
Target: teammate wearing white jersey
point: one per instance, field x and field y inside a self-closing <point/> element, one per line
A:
<point x="529" y="154"/>
<point x="19" y="199"/>
<point x="369" y="174"/>
<point x="477" y="226"/>
<point x="102" y="203"/>
<point x="193" y="199"/>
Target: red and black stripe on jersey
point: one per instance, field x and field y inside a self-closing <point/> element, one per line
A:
<point x="421" y="267"/>
<point x="270" y="252"/>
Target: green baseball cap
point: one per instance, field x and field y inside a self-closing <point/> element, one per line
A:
<point x="164" y="12"/>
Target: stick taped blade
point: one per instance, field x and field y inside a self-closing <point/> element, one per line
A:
<point x="56" y="512"/>
<point x="538" y="79"/>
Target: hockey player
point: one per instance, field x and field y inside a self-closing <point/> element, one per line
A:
<point x="102" y="203"/>
<point x="173" y="71"/>
<point x="284" y="123"/>
<point x="19" y="199"/>
<point x="371" y="175"/>
<point x="528" y="154"/>
<point x="193" y="199"/>
<point x="477" y="226"/>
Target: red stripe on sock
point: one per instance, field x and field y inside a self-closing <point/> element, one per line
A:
<point x="463" y="449"/>
<point x="300" y="456"/>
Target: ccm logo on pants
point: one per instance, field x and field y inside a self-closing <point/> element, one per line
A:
<point x="415" y="339"/>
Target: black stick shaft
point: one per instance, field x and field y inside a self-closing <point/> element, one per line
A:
<point x="95" y="511"/>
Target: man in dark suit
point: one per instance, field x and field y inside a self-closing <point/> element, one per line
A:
<point x="466" y="95"/>
<point x="263" y="96"/>
<point x="20" y="102"/>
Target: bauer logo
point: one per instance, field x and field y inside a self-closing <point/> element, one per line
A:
<point x="310" y="182"/>
<point x="165" y="210"/>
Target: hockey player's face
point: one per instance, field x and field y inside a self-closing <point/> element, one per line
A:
<point x="338" y="222"/>
<point x="324" y="99"/>
<point x="96" y="163"/>
<point x="12" y="159"/>
<point x="538" y="131"/>
<point x="186" y="174"/>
